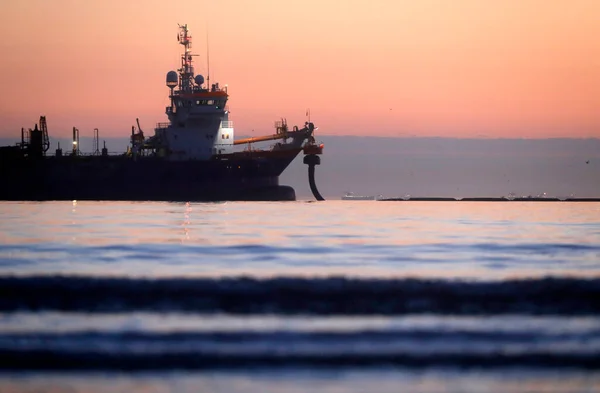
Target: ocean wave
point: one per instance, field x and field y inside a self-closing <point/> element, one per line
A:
<point x="49" y="248"/>
<point x="339" y="254"/>
<point x="61" y="361"/>
<point x="293" y="295"/>
<point x="155" y="341"/>
<point x="367" y="343"/>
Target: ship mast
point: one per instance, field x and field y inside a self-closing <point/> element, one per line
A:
<point x="186" y="72"/>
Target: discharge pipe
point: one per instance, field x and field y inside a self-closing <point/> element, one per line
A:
<point x="311" y="160"/>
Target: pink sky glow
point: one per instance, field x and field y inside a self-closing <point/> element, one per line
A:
<point x="450" y="68"/>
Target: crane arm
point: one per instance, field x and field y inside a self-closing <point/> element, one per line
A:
<point x="259" y="139"/>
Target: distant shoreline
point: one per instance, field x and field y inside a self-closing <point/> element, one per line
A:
<point x="489" y="199"/>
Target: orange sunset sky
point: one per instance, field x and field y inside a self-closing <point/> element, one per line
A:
<point x="451" y="68"/>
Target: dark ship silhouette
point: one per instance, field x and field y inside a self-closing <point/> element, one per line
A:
<point x="193" y="157"/>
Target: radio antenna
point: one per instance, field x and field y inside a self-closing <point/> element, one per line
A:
<point x="207" y="62"/>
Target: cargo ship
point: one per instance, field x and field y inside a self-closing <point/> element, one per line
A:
<point x="192" y="157"/>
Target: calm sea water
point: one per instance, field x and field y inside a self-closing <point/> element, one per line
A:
<point x="334" y="296"/>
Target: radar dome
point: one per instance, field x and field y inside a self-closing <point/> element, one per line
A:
<point x="172" y="79"/>
<point x="199" y="80"/>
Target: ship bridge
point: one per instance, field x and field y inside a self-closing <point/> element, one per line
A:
<point x="198" y="102"/>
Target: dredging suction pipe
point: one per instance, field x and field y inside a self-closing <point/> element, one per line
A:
<point x="311" y="160"/>
<point x="311" y="150"/>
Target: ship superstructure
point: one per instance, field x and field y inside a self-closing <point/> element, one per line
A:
<point x="199" y="125"/>
<point x="193" y="156"/>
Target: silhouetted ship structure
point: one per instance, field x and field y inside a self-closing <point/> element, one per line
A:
<point x="192" y="157"/>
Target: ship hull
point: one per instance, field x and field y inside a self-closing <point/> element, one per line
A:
<point x="146" y="179"/>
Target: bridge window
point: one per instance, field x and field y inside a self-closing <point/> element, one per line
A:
<point x="210" y="102"/>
